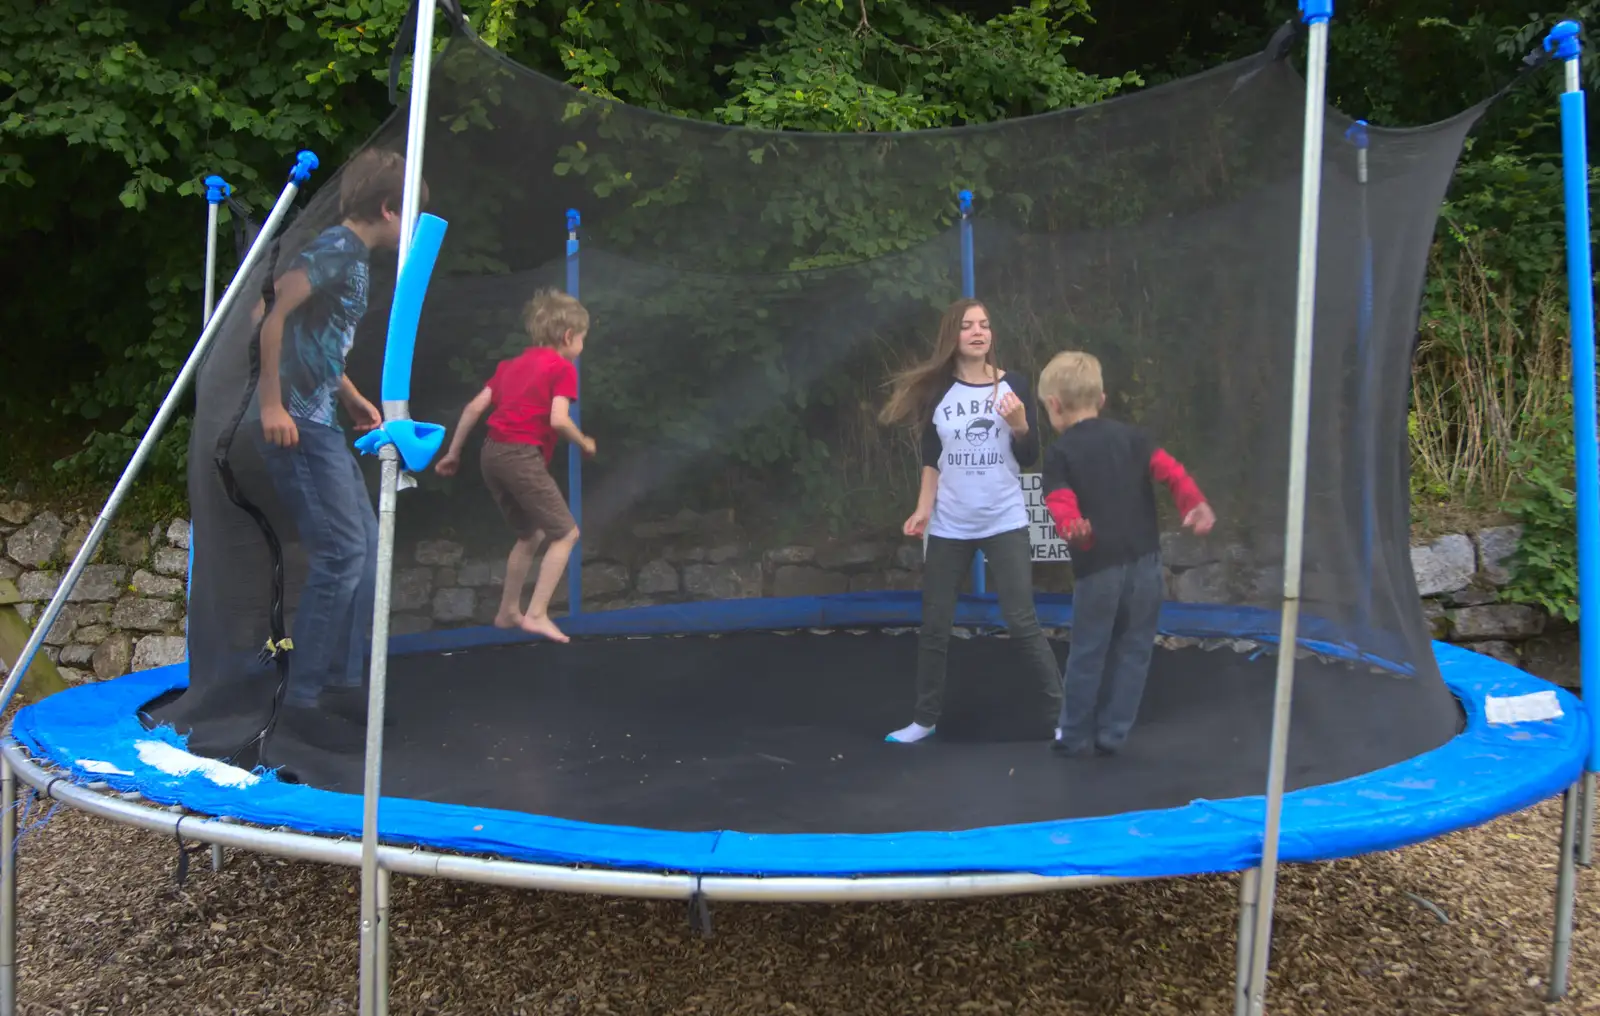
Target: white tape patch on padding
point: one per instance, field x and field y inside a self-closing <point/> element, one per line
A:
<point x="94" y="765"/>
<point x="1531" y="708"/>
<point x="174" y="761"/>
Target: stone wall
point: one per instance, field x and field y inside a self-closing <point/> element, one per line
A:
<point x="1460" y="576"/>
<point x="127" y="612"/>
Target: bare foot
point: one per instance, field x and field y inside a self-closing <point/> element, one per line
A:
<point x="507" y="620"/>
<point x="540" y="624"/>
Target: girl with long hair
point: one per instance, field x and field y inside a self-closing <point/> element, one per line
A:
<point x="979" y="425"/>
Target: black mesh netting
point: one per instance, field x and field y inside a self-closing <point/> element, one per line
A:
<point x="750" y="293"/>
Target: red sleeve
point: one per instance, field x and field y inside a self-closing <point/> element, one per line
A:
<point x="1063" y="506"/>
<point x="566" y="382"/>
<point x="1170" y="471"/>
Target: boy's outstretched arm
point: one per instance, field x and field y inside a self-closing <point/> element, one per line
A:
<point x="470" y="415"/>
<point x="1197" y="514"/>
<point x="292" y="290"/>
<point x="561" y="423"/>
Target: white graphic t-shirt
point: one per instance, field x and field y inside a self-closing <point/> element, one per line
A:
<point x="970" y="444"/>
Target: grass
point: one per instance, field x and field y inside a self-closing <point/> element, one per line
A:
<point x="1489" y="371"/>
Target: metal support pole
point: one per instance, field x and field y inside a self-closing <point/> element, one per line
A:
<point x="1566" y="891"/>
<point x="1586" y="822"/>
<point x="374" y="981"/>
<point x="374" y="918"/>
<point x="1316" y="14"/>
<point x="217" y="191"/>
<point x="8" y="890"/>
<point x="305" y="163"/>
<point x="1564" y="44"/>
<point x="1249" y="894"/>
<point x="575" y="457"/>
<point x="969" y="290"/>
<point x="384" y="878"/>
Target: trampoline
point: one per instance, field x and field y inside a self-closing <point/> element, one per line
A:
<point x="742" y="639"/>
<point x="528" y="755"/>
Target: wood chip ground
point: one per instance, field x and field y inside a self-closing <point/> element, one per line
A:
<point x="1459" y="926"/>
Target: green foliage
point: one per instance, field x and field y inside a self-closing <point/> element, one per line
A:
<point x="1546" y="562"/>
<point x="112" y="112"/>
<point x="900" y="66"/>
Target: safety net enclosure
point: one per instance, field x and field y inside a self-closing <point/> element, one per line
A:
<point x="745" y="634"/>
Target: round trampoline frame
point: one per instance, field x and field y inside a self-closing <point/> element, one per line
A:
<point x="19" y="768"/>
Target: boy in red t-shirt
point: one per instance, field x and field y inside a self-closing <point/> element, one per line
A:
<point x="530" y="398"/>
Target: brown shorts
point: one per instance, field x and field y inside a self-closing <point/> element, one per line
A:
<point x="520" y="483"/>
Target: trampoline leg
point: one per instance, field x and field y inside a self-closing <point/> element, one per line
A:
<point x="381" y="973"/>
<point x="1566" y="889"/>
<point x="1249" y="896"/>
<point x="216" y="857"/>
<point x="8" y="890"/>
<point x="1586" y="823"/>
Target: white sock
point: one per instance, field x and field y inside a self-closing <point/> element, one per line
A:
<point x="1058" y="733"/>
<point x="909" y="734"/>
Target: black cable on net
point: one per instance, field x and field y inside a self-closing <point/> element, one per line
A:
<point x="278" y="647"/>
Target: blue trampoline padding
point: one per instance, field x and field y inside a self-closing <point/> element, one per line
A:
<point x="1484" y="772"/>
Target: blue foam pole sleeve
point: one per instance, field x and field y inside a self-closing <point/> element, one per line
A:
<point x="574" y="456"/>
<point x="969" y="278"/>
<point x="409" y="293"/>
<point x="1580" y="294"/>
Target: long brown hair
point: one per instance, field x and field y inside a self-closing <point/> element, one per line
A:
<point x="912" y="391"/>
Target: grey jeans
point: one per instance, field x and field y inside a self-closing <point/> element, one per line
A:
<point x="948" y="562"/>
<point x="1114" y="616"/>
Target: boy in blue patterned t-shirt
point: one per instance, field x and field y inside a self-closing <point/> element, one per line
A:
<point x="319" y="302"/>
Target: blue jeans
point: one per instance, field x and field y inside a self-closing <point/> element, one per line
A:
<point x="1114" y="617"/>
<point x="320" y="484"/>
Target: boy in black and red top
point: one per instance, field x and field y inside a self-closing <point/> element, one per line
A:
<point x="531" y="397"/>
<point x="1099" y="478"/>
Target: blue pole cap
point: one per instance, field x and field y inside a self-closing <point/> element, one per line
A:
<point x="1357" y="134"/>
<point x="1562" y="42"/>
<point x="964" y="202"/>
<point x="574" y="220"/>
<point x="217" y="189"/>
<point x="304" y="163"/>
<point x="1313" y="11"/>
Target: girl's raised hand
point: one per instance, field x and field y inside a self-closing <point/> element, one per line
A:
<point x="1013" y="412"/>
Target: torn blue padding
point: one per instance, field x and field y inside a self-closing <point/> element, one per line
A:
<point x="1487" y="771"/>
<point x="416" y="442"/>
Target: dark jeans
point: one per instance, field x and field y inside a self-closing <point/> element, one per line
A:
<point x="1114" y="616"/>
<point x="947" y="565"/>
<point x="320" y="484"/>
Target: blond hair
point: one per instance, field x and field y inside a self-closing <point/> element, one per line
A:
<point x="1074" y="379"/>
<point x="551" y="314"/>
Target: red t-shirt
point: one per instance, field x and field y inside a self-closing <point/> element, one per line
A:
<point x="522" y="391"/>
